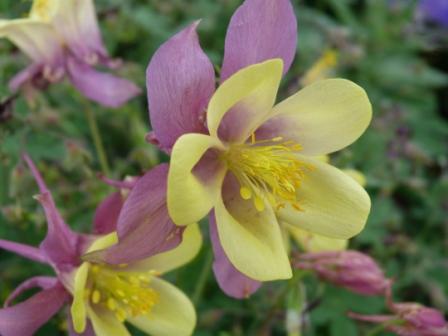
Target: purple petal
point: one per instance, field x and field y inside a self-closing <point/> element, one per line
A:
<point x="26" y="251"/>
<point x="144" y="226"/>
<point x="103" y="88"/>
<point x="25" y="76"/>
<point x="180" y="82"/>
<point x="61" y="244"/>
<point x="106" y="215"/>
<point x="260" y="30"/>
<point x="43" y="282"/>
<point x="232" y="282"/>
<point x="25" y="318"/>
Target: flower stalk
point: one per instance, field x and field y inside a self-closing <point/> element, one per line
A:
<point x="97" y="140"/>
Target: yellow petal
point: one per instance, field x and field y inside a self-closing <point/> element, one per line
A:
<point x="36" y="39"/>
<point x="77" y="23"/>
<point x="311" y="242"/>
<point x="78" y="308"/>
<point x="244" y="100"/>
<point x="251" y="239"/>
<point x="357" y="176"/>
<point x="334" y="205"/>
<point x="103" y="242"/>
<point x="286" y="238"/>
<point x="177" y="257"/>
<point x="323" y="117"/>
<point x="105" y="323"/>
<point x="192" y="187"/>
<point x="322" y="158"/>
<point x="44" y="10"/>
<point x="174" y="314"/>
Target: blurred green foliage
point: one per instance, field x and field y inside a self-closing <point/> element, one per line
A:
<point x="400" y="62"/>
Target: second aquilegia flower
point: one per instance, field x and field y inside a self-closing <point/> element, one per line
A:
<point x="62" y="37"/>
<point x="252" y="161"/>
<point x="101" y="296"/>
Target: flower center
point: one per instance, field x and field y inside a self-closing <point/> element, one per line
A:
<point x="124" y="293"/>
<point x="267" y="169"/>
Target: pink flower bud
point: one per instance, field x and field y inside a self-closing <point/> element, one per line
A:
<point x="419" y="320"/>
<point x="410" y="319"/>
<point x="352" y="270"/>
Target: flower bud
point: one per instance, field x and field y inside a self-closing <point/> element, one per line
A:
<point x="409" y="319"/>
<point x="420" y="320"/>
<point x="352" y="270"/>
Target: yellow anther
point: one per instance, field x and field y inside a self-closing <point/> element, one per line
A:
<point x="121" y="315"/>
<point x="96" y="296"/>
<point x="267" y="170"/>
<point x="252" y="138"/>
<point x="111" y="304"/>
<point x="259" y="204"/>
<point x="245" y="193"/>
<point x="123" y="292"/>
<point x="134" y="280"/>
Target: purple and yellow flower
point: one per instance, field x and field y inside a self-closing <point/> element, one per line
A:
<point x="62" y="37"/>
<point x="102" y="296"/>
<point x="247" y="161"/>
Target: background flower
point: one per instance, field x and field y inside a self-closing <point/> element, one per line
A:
<point x="63" y="37"/>
<point x="104" y="296"/>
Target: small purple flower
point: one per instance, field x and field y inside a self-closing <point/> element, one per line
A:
<point x="103" y="296"/>
<point x="352" y="270"/>
<point x="63" y="38"/>
<point x="435" y="10"/>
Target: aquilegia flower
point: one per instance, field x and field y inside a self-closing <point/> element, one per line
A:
<point x="101" y="296"/>
<point x="248" y="161"/>
<point x="62" y="37"/>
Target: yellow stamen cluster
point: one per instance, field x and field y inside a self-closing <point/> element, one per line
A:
<point x="267" y="169"/>
<point x="127" y="294"/>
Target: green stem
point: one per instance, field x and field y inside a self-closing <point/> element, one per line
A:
<point x="101" y="153"/>
<point x="375" y="331"/>
<point x="202" y="280"/>
<point x="4" y="183"/>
